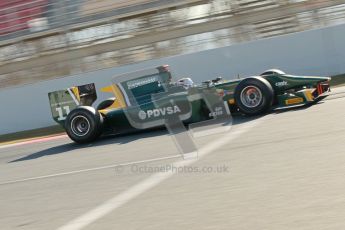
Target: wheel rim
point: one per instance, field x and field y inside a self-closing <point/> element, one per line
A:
<point x="80" y="126"/>
<point x="251" y="96"/>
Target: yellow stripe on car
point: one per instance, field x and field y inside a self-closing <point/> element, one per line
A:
<point x="308" y="93"/>
<point x="76" y="92"/>
<point x="294" y="101"/>
<point x="119" y="101"/>
<point x="119" y="97"/>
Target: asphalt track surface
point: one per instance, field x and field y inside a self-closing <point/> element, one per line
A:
<point x="285" y="170"/>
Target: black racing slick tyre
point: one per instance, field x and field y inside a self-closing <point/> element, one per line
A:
<point x="84" y="124"/>
<point x="106" y="103"/>
<point x="254" y="96"/>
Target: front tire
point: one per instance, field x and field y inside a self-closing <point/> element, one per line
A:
<point x="84" y="124"/>
<point x="254" y="96"/>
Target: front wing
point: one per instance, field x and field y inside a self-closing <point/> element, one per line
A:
<point x="303" y="97"/>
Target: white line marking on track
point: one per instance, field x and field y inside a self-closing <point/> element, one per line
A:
<point x="90" y="169"/>
<point x="149" y="183"/>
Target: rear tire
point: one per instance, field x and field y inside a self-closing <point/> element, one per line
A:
<point x="84" y="124"/>
<point x="254" y="96"/>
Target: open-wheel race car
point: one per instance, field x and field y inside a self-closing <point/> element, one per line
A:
<point x="144" y="99"/>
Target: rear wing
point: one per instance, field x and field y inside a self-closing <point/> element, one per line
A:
<point x="64" y="101"/>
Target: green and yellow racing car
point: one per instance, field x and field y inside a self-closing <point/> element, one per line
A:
<point x="148" y="98"/>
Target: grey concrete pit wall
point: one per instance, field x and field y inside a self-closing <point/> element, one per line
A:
<point x="316" y="52"/>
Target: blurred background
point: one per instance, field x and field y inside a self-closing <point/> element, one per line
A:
<point x="49" y="39"/>
<point x="283" y="170"/>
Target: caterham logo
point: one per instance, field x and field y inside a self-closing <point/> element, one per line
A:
<point x="158" y="112"/>
<point x="281" y="84"/>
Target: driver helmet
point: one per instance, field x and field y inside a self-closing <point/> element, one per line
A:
<point x="185" y="82"/>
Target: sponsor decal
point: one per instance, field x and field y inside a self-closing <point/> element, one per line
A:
<point x="217" y="112"/>
<point x="281" y="84"/>
<point x="141" y="82"/>
<point x="294" y="101"/>
<point x="159" y="112"/>
<point x="88" y="87"/>
<point x="142" y="115"/>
